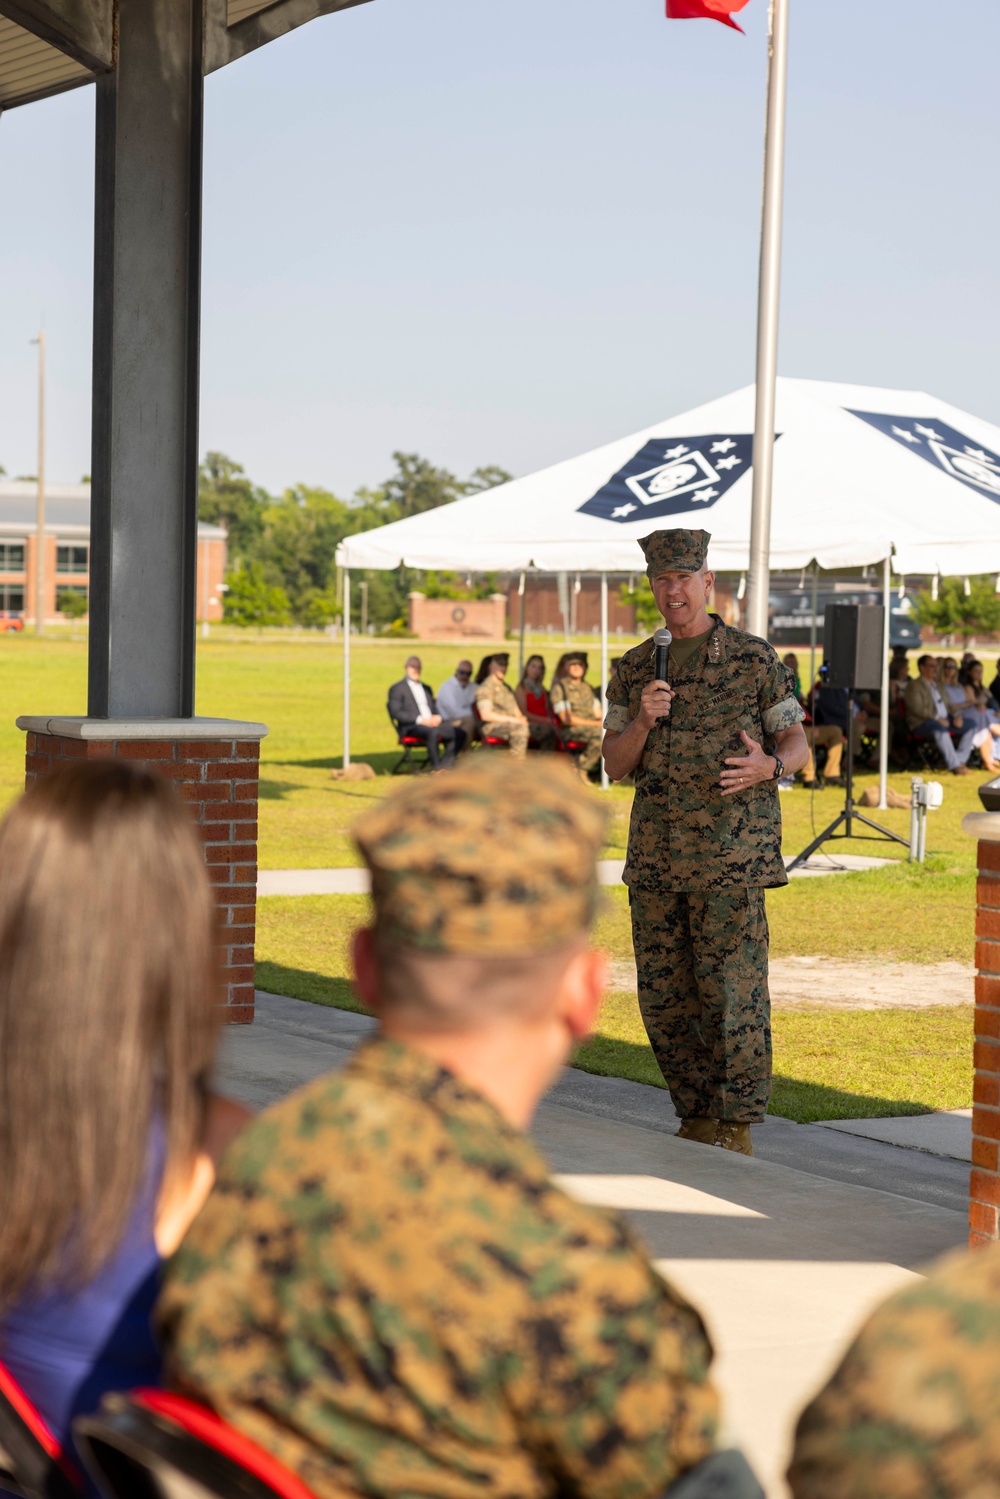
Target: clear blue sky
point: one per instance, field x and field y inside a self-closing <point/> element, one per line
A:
<point x="504" y="233"/>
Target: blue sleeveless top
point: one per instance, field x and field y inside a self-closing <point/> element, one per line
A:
<point x="67" y="1349"/>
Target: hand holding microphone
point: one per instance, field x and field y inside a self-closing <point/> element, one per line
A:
<point x="656" y="695"/>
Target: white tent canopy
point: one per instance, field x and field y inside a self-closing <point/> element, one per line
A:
<point x="861" y="475"/>
<point x="914" y="478"/>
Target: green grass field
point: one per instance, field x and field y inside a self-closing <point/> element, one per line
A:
<point x="844" y="1064"/>
<point x="828" y="1064"/>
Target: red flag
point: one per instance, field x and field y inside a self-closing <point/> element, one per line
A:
<point x="708" y="10"/>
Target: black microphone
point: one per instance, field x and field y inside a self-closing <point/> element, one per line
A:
<point x="661" y="641"/>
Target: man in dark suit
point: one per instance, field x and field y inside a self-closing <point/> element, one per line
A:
<point x="413" y="709"/>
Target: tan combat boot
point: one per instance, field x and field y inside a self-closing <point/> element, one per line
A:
<point x="701" y="1130"/>
<point x="733" y="1136"/>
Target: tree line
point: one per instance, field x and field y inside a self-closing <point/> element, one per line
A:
<point x="282" y="548"/>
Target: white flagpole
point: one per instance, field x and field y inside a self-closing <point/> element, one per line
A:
<point x="883" y="735"/>
<point x="768" y="295"/>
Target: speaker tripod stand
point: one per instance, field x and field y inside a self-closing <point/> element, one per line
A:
<point x="848" y="816"/>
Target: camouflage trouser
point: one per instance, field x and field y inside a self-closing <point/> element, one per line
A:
<point x="590" y="734"/>
<point x="702" y="963"/>
<point x="514" y="731"/>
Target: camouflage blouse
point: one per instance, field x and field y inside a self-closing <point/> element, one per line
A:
<point x="685" y="835"/>
<point x="499" y="696"/>
<point x="913" y="1412"/>
<point x="576" y="696"/>
<point x="386" y="1291"/>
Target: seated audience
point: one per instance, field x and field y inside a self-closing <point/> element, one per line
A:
<point x="928" y="717"/>
<point x="830" y="707"/>
<point x="533" y="701"/>
<point x="914" y="1408"/>
<point x="981" y="711"/>
<point x="577" y="709"/>
<point x="386" y="1290"/>
<point x="994" y="688"/>
<point x="830" y="737"/>
<point x="792" y="662"/>
<point x="951" y="689"/>
<point x="498" y="707"/>
<point x="456" y="701"/>
<point x="413" y="710"/>
<point x="899" y="675"/>
<point x="109" y="1133"/>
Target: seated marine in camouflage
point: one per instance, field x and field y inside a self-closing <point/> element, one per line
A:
<point x="385" y="1290"/>
<point x="913" y="1411"/>
<point x="576" y="706"/>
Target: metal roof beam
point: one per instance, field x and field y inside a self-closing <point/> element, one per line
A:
<point x="82" y="29"/>
<point x="224" y="43"/>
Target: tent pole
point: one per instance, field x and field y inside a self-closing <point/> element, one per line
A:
<point x="347" y="667"/>
<point x="812" y="635"/>
<point x="883" y="733"/>
<point x="604" y="780"/>
<point x="767" y="320"/>
<point x="520" y="649"/>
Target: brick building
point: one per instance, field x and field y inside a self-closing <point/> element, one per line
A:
<point x="67" y="550"/>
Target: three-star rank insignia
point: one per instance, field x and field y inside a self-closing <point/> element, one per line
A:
<point x="673" y="476"/>
<point x="944" y="446"/>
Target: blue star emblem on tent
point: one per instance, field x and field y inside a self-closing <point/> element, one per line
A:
<point x="673" y="476"/>
<point x="944" y="446"/>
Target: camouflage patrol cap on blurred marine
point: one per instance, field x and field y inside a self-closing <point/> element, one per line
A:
<point x="675" y="551"/>
<point x="496" y="858"/>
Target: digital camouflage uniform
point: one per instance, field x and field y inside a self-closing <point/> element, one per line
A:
<point x="913" y="1411"/>
<point x="384" y="1289"/>
<point x="578" y="698"/>
<point x="697" y="866"/>
<point x="502" y="700"/>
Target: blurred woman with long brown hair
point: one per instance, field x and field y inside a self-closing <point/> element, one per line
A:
<point x="108" y="1024"/>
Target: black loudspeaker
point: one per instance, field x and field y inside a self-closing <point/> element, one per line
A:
<point x="852" y="645"/>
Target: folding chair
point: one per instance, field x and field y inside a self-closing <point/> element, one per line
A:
<point x="155" y="1445"/>
<point x="151" y="1444"/>
<point x="408" y="743"/>
<point x="32" y="1462"/>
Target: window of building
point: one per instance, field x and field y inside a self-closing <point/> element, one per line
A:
<point x="11" y="556"/>
<point x="12" y="597"/>
<point x="72" y="559"/>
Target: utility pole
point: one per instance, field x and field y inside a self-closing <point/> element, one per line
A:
<point x="768" y="296"/>
<point x="40" y="505"/>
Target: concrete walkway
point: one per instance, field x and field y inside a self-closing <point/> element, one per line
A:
<point x="783" y="1254"/>
<point x="355" y="881"/>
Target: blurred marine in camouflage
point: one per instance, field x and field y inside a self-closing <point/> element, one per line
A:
<point x="913" y="1412"/>
<point x="707" y="752"/>
<point x="385" y="1289"/>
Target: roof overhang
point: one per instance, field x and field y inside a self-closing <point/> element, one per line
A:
<point x="49" y="46"/>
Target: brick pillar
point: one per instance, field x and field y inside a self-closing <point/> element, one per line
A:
<point x="984" y="1187"/>
<point x="214" y="765"/>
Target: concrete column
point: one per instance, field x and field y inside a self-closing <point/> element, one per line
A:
<point x="145" y="401"/>
<point x="213" y="763"/>
<point x="984" y="1186"/>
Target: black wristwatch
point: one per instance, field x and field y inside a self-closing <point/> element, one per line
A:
<point x="779" y="768"/>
